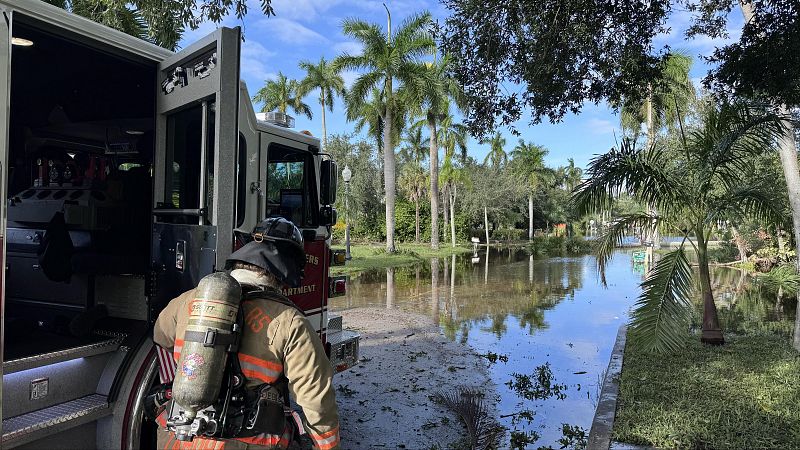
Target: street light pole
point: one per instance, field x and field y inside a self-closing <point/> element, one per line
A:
<point x="346" y="175"/>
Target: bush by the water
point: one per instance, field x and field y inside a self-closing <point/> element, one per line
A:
<point x="559" y="245"/>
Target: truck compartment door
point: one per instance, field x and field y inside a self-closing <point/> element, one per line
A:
<point x="195" y="163"/>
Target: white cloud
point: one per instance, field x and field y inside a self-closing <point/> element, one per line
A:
<point x="601" y="126"/>
<point x="290" y="31"/>
<point x="253" y="60"/>
<point x="296" y="9"/>
<point x="349" y="47"/>
<point x="349" y="77"/>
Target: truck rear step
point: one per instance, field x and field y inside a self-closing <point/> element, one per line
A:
<point x="45" y="359"/>
<point x="35" y="425"/>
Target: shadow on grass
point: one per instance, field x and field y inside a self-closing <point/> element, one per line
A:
<point x="745" y="394"/>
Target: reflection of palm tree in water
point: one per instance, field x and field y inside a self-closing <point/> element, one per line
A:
<point x="435" y="289"/>
<point x="390" y="290"/>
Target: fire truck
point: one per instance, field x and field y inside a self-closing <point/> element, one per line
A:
<point x="129" y="172"/>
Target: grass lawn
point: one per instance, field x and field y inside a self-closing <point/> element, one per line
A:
<point x="743" y="395"/>
<point x="369" y="256"/>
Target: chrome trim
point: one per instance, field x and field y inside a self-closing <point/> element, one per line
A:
<point x="44" y="359"/>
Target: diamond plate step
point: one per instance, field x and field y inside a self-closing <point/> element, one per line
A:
<point x="44" y="359"/>
<point x="44" y="422"/>
<point x="334" y="322"/>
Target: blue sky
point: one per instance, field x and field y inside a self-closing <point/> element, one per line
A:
<point x="308" y="29"/>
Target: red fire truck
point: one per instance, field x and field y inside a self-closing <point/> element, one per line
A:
<point x="129" y="173"/>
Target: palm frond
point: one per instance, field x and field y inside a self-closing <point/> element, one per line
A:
<point x="782" y="277"/>
<point x="661" y="315"/>
<point x="484" y="432"/>
<point x="642" y="174"/>
<point x="606" y="243"/>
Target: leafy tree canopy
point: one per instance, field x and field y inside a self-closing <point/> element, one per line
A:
<point x="158" y="21"/>
<point x="562" y="53"/>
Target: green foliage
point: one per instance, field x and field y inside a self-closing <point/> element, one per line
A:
<point x="158" y="21"/>
<point x="559" y="245"/>
<point x="661" y="314"/>
<point x="707" y="178"/>
<point x="742" y="395"/>
<point x="564" y="54"/>
<point x="784" y="277"/>
<point x="281" y="94"/>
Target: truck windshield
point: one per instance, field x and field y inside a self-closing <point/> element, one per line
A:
<point x="290" y="182"/>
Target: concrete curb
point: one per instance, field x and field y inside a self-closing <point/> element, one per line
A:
<point x="603" y="423"/>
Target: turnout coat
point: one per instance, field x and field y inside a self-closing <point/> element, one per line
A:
<point x="276" y="340"/>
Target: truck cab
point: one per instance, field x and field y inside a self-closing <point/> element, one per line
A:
<point x="129" y="172"/>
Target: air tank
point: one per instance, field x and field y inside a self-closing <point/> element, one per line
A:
<point x="201" y="367"/>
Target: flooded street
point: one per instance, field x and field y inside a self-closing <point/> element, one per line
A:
<point x="546" y="326"/>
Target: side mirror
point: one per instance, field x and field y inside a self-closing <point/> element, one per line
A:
<point x="329" y="181"/>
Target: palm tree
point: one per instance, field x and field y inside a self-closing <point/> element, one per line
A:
<point x="528" y="163"/>
<point x="691" y="189"/>
<point x="281" y="94"/>
<point x="451" y="178"/>
<point x="572" y="175"/>
<point x="390" y="62"/>
<point x="454" y="136"/>
<point x="367" y="114"/>
<point x="327" y="79"/>
<point x="413" y="179"/>
<point x="437" y="88"/>
<point x="497" y="155"/>
<point x="662" y="106"/>
<point x="412" y="183"/>
<point x="415" y="150"/>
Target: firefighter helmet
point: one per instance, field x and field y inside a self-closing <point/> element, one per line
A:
<point x="276" y="245"/>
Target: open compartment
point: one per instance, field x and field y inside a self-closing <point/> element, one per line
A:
<point x="81" y="142"/>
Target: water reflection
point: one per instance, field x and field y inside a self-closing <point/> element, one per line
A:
<point x="533" y="312"/>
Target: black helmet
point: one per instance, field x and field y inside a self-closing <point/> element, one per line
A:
<point x="275" y="245"/>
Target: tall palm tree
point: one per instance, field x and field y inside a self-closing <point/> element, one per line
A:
<point x="453" y="136"/>
<point x="528" y="163"/>
<point x="438" y="90"/>
<point x="497" y="155"/>
<point x="328" y="80"/>
<point x="390" y="63"/>
<point x="662" y="106"/>
<point x="281" y="94"/>
<point x="452" y="177"/>
<point x="691" y="189"/>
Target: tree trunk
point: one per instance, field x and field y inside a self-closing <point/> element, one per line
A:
<point x="651" y="137"/>
<point x="712" y="332"/>
<point x="787" y="148"/>
<point x="434" y="170"/>
<point x="486" y="225"/>
<point x="390" y="288"/>
<point x="453" y="217"/>
<point x="389" y="174"/>
<point x="324" y="130"/>
<point x="740" y="244"/>
<point x="416" y="220"/>
<point x="446" y="212"/>
<point x="781" y="241"/>
<point x="530" y="217"/>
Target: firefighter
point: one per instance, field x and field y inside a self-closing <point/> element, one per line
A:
<point x="278" y="348"/>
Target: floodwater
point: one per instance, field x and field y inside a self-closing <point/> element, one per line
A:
<point x="549" y="322"/>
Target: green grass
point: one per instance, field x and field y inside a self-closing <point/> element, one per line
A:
<point x="368" y="256"/>
<point x="745" y="394"/>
